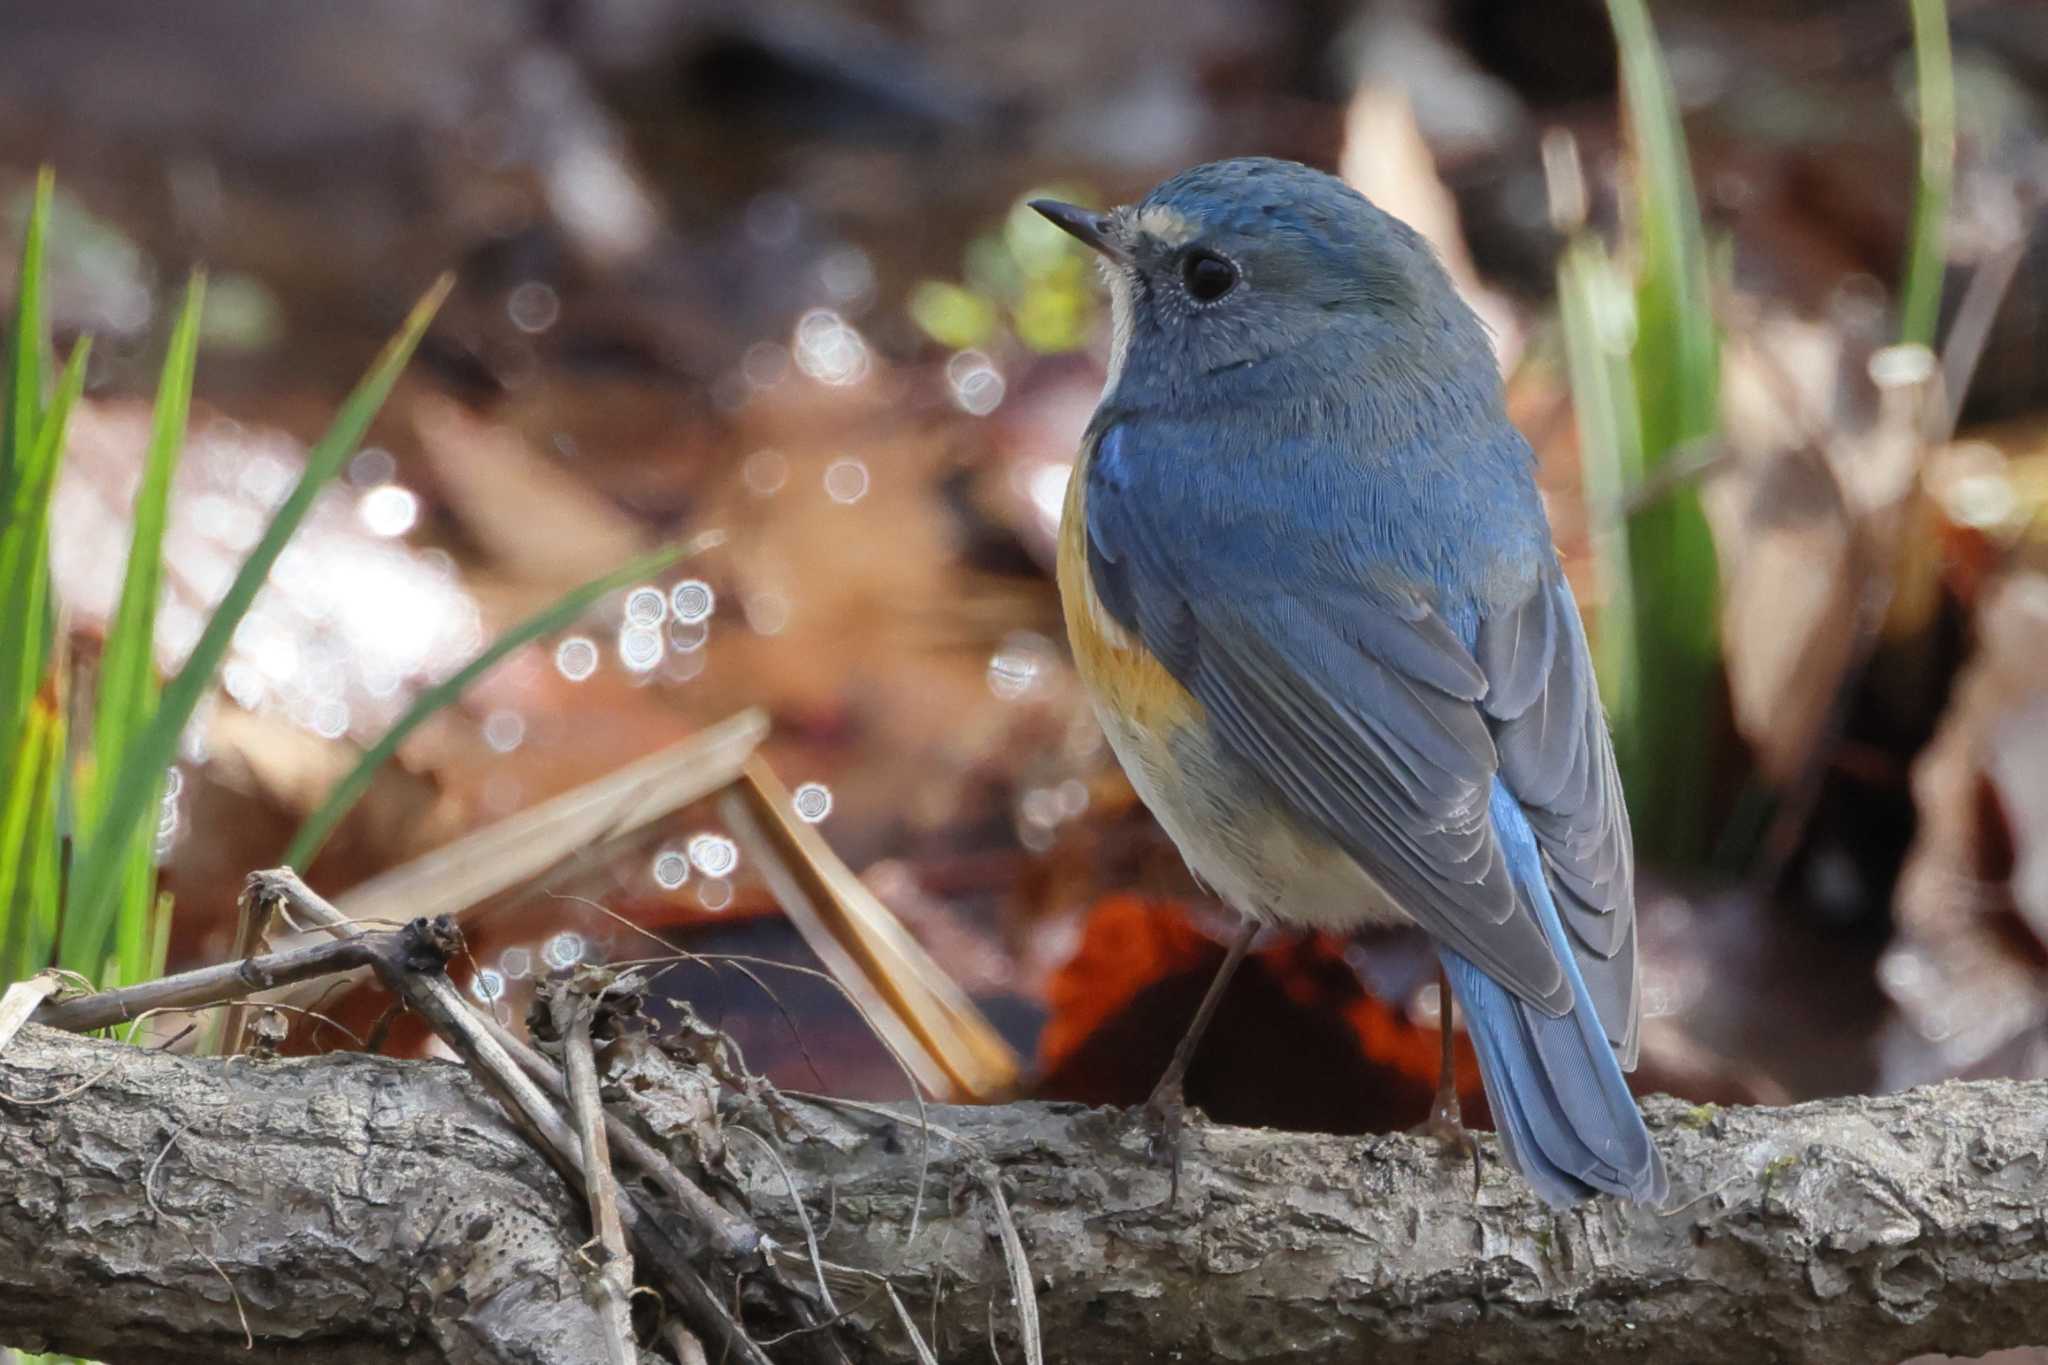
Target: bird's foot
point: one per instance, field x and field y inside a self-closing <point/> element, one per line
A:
<point x="1164" y="1117"/>
<point x="1446" y="1126"/>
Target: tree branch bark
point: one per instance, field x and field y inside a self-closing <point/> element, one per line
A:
<point x="362" y="1209"/>
<point x="369" y="1210"/>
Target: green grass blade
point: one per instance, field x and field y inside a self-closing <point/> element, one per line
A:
<point x="46" y="446"/>
<point x="1667" y="756"/>
<point x="1677" y="351"/>
<point x="556" y="616"/>
<point x="1665" y="748"/>
<point x="23" y="407"/>
<point x="127" y="675"/>
<point x="29" y="845"/>
<point x="25" y="558"/>
<point x="23" y="571"/>
<point x="127" y="683"/>
<point x="1927" y="249"/>
<point x="131" y="797"/>
<point x="1596" y="310"/>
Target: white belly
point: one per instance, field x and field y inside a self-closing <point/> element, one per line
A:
<point x="1236" y="837"/>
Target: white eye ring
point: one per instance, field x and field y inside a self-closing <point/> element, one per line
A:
<point x="1208" y="275"/>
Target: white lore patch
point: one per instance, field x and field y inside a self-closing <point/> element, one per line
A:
<point x="1118" y="278"/>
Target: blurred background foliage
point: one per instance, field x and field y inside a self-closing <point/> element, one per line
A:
<point x="1768" y="282"/>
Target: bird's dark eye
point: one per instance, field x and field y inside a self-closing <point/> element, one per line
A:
<point x="1208" y="276"/>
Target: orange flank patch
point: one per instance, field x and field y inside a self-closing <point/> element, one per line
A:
<point x="1117" y="667"/>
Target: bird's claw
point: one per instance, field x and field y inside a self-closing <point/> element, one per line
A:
<point x="1446" y="1127"/>
<point x="1164" y="1116"/>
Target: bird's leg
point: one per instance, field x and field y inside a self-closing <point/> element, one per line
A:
<point x="1446" y="1121"/>
<point x="1167" y="1106"/>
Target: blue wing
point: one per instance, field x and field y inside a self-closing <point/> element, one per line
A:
<point x="1557" y="760"/>
<point x="1377" y="702"/>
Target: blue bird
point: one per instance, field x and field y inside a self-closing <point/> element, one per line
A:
<point x="1311" y="588"/>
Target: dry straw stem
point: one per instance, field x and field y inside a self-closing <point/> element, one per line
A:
<point x="21" y="1001"/>
<point x="463" y="876"/>
<point x="919" y="1011"/>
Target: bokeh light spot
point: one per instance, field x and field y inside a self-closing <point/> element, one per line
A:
<point x="576" y="658"/>
<point x="813" y="801"/>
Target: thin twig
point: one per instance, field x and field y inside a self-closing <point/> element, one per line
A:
<point x="475" y="1039"/>
<point x="1873" y="562"/>
<point x="208" y="985"/>
<point x="728" y="1234"/>
<point x="939" y="1281"/>
<point x="990" y="1179"/>
<point x="252" y="930"/>
<point x="917" y="1341"/>
<point x="1971" y="330"/>
<point x="677" y="957"/>
<point x="803" y="1214"/>
<point x="743" y="962"/>
<point x="1021" y="1288"/>
<point x="1689" y="464"/>
<point x="916" y="1093"/>
<point x="325" y="1020"/>
<point x="681" y="1340"/>
<point x="572" y="1011"/>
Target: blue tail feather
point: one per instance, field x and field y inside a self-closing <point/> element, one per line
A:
<point x="1565" y="1115"/>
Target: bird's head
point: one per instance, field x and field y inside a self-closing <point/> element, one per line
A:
<point x="1235" y="264"/>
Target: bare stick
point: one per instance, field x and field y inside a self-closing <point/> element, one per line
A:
<point x="729" y="1235"/>
<point x="572" y="1012"/>
<point x="252" y="928"/>
<point x="211" y="985"/>
<point x="434" y="998"/>
<point x="689" y="1350"/>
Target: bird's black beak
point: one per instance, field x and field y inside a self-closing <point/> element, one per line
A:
<point x="1086" y="224"/>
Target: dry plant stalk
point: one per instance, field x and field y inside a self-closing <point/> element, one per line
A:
<point x="917" y="1010"/>
<point x="573" y="1011"/>
<point x="464" y="875"/>
<point x="21" y="1001"/>
<point x="907" y="998"/>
